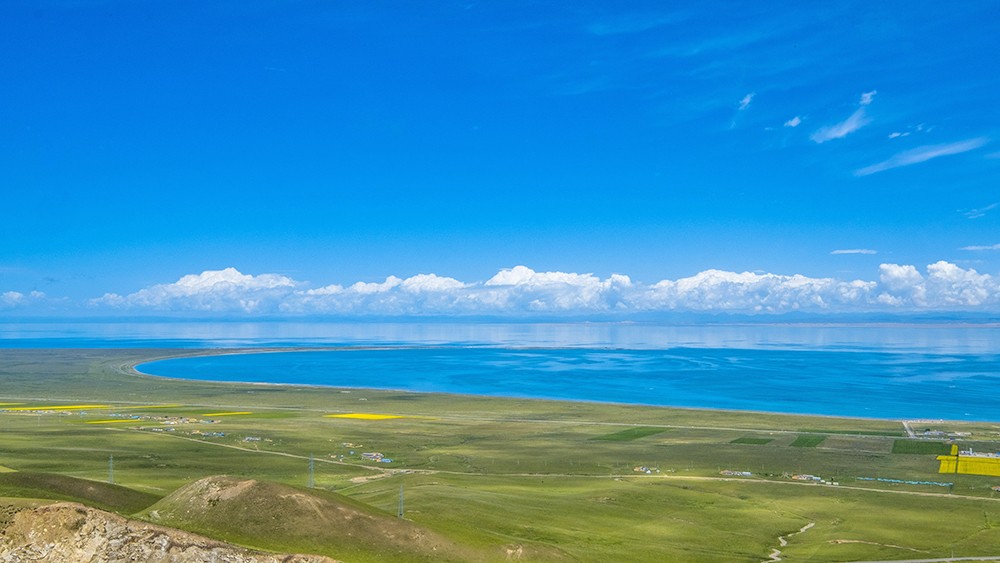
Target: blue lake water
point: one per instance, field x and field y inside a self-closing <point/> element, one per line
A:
<point x="944" y="371"/>
<point x="846" y="383"/>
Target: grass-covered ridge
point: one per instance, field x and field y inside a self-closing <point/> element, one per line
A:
<point x="281" y="517"/>
<point x="497" y="477"/>
<point x="52" y="486"/>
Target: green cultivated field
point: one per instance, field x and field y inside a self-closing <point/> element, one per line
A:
<point x="484" y="478"/>
<point x="812" y="440"/>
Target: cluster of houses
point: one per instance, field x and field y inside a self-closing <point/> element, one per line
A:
<point x="812" y="479"/>
<point x="181" y="420"/>
<point x="208" y="434"/>
<point x="376" y="457"/>
<point x="646" y="470"/>
<point x="942" y="434"/>
<point x="731" y="473"/>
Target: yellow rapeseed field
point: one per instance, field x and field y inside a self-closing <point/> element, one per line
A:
<point x="174" y="406"/>
<point x="364" y="416"/>
<point x="60" y="408"/>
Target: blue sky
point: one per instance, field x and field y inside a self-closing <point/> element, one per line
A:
<point x="329" y="144"/>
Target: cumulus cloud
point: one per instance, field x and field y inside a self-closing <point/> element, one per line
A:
<point x="717" y="290"/>
<point x="901" y="285"/>
<point x="854" y="251"/>
<point x="922" y="154"/>
<point x="15" y="299"/>
<point x="523" y="291"/>
<point x="986" y="247"/>
<point x="211" y="290"/>
<point x="856" y="121"/>
<point x="946" y="286"/>
<point x="11" y="299"/>
<point x="745" y="102"/>
<point x="897" y="134"/>
<point x="793" y="122"/>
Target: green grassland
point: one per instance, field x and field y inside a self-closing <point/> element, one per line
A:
<point x="919" y="447"/>
<point x="750" y="440"/>
<point x="811" y="441"/>
<point x="492" y="478"/>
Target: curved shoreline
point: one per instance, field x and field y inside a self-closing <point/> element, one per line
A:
<point x="131" y="368"/>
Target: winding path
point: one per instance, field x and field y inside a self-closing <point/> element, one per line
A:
<point x="783" y="541"/>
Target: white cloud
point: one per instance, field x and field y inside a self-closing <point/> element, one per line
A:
<point x="910" y="129"/>
<point x="12" y="299"/>
<point x="954" y="286"/>
<point x="211" y="290"/>
<point x="867" y="98"/>
<point x="431" y="282"/>
<point x="987" y="247"/>
<point x="369" y="288"/>
<point x="745" y="102"/>
<point x="716" y="290"/>
<point x="854" y="251"/>
<point x="982" y="211"/>
<point x="856" y="121"/>
<point x="902" y="285"/>
<point x="793" y="122"/>
<point x="946" y="287"/>
<point x="521" y="291"/>
<point x="922" y="154"/>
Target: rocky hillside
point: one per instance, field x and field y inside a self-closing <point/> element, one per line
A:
<point x="72" y="532"/>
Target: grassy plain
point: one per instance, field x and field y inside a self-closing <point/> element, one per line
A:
<point x="557" y="479"/>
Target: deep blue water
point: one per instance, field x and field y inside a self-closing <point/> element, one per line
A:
<point x="831" y="382"/>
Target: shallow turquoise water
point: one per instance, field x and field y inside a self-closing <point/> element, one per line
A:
<point x="843" y="382"/>
<point x="897" y="370"/>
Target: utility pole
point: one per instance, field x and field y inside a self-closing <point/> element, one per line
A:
<point x="312" y="472"/>
<point x="399" y="511"/>
<point x="958" y="452"/>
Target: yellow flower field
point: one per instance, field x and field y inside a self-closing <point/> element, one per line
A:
<point x="60" y="408"/>
<point x="365" y="416"/>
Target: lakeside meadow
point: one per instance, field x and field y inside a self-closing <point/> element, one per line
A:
<point x="548" y="480"/>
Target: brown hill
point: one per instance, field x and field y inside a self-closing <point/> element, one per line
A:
<point x="72" y="532"/>
<point x="283" y="518"/>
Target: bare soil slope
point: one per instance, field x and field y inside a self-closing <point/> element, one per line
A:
<point x="73" y="532"/>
